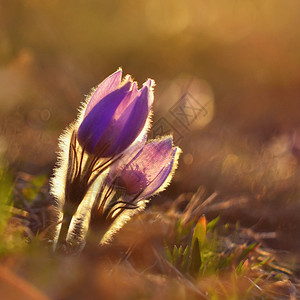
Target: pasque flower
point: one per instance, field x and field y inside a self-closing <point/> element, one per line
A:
<point x="147" y="171"/>
<point x="115" y="115"/>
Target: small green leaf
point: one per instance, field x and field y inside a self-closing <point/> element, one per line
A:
<point x="246" y="251"/>
<point x="195" y="261"/>
<point x="185" y="260"/>
<point x="260" y="264"/>
<point x="242" y="267"/>
<point x="212" y="224"/>
<point x="176" y="254"/>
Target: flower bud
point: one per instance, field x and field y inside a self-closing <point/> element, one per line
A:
<point x="115" y="115"/>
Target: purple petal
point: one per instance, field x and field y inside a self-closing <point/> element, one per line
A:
<point x="124" y="104"/>
<point x="147" y="164"/>
<point x="159" y="180"/>
<point x="149" y="83"/>
<point x="116" y="125"/>
<point x="154" y="155"/>
<point x="133" y="120"/>
<point x="96" y="122"/>
<point x="148" y="86"/>
<point x="107" y="86"/>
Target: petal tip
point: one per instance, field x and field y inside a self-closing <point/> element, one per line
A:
<point x="149" y="83"/>
<point x="117" y="75"/>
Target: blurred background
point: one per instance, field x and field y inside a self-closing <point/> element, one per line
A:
<point x="235" y="63"/>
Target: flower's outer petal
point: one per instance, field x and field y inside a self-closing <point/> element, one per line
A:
<point x="127" y="101"/>
<point x="146" y="165"/>
<point x="149" y="83"/>
<point x="96" y="122"/>
<point x="164" y="176"/>
<point x="107" y="86"/>
<point x="115" y="127"/>
<point x="154" y="154"/>
<point x="133" y="120"/>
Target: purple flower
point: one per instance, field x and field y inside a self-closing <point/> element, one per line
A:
<point x="147" y="171"/>
<point x="115" y="115"/>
